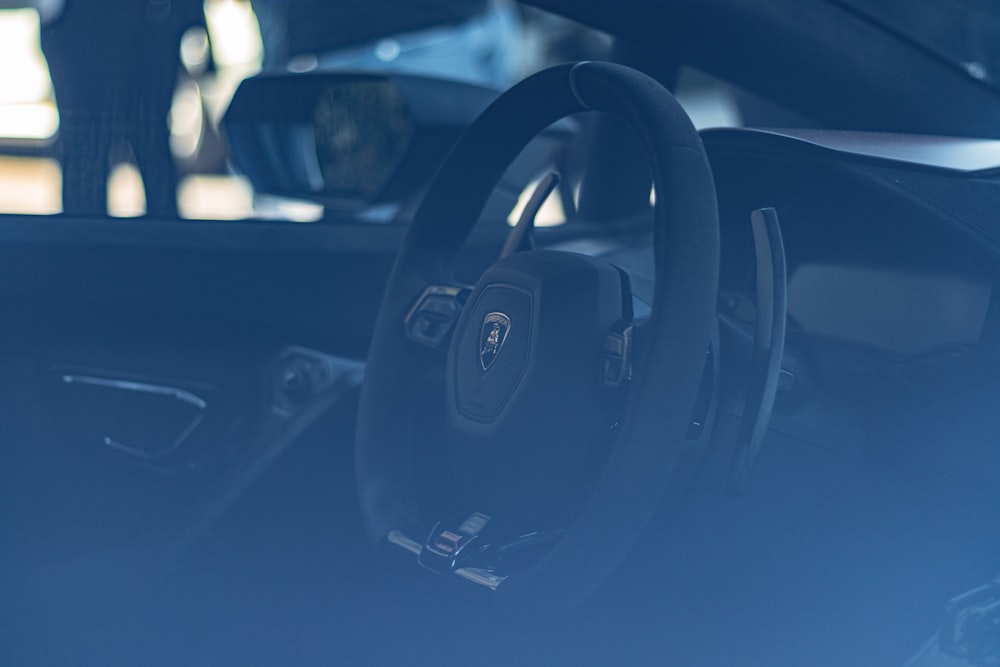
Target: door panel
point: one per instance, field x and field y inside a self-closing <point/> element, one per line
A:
<point x="116" y="331"/>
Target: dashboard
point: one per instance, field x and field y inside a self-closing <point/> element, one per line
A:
<point x="889" y="238"/>
<point x="900" y="310"/>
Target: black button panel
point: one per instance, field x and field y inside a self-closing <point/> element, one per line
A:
<point x="431" y="319"/>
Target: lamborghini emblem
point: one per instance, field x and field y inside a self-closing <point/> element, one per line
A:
<point x="496" y="326"/>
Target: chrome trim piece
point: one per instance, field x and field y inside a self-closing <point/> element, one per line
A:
<point x="165" y="391"/>
<point x="476" y="575"/>
<point x="141" y="387"/>
<point x="402" y="541"/>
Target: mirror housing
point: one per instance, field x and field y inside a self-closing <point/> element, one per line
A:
<point x="352" y="141"/>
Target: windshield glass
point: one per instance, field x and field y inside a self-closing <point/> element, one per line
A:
<point x="963" y="32"/>
<point x="115" y="109"/>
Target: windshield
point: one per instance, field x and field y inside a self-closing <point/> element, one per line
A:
<point x="963" y="32"/>
<point x="115" y="109"/>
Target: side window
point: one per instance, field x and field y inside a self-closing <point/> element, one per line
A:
<point x="29" y="120"/>
<point x="85" y="129"/>
<point x="115" y="110"/>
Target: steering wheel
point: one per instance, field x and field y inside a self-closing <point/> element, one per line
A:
<point x="540" y="373"/>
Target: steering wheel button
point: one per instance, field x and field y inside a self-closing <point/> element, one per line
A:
<point x="474" y="523"/>
<point x="431" y="319"/>
<point x="445" y="543"/>
<point x="617" y="355"/>
<point x="448" y="543"/>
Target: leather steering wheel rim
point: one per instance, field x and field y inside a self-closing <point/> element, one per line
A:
<point x="666" y="374"/>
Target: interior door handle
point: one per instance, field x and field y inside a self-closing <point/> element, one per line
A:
<point x="156" y="446"/>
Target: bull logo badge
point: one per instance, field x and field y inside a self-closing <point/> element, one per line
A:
<point x="496" y="326"/>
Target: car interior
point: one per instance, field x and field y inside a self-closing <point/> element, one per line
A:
<point x="737" y="408"/>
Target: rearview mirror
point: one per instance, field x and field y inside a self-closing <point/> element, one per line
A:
<point x="346" y="140"/>
<point x="353" y="141"/>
